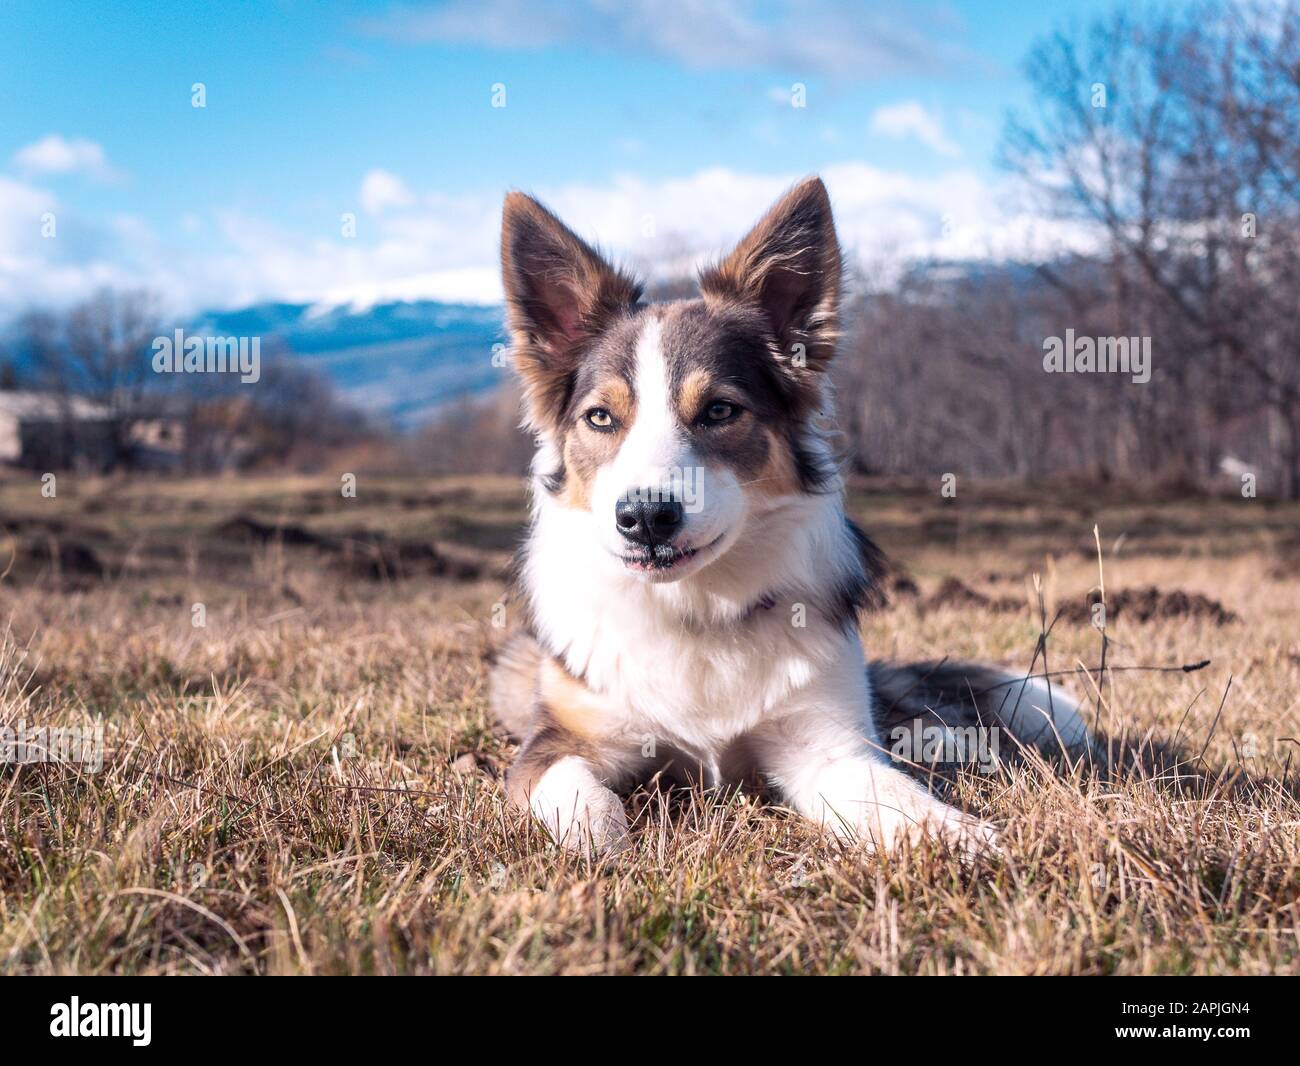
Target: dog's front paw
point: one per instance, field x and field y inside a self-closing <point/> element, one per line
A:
<point x="887" y="828"/>
<point x="963" y="833"/>
<point x="579" y="812"/>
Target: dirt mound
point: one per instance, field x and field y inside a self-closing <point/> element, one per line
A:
<point x="901" y="585"/>
<point x="380" y="558"/>
<point x="33" y="526"/>
<point x="364" y="553"/>
<point x="953" y="592"/>
<point x="1144" y="604"/>
<point x="367" y="553"/>
<point x="69" y="562"/>
<point x="249" y="528"/>
<point x="1149" y="604"/>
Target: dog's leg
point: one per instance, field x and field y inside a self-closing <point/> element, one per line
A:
<point x="565" y="768"/>
<point x="828" y="774"/>
<point x="513" y="688"/>
<point x="819" y="754"/>
<point x="567" y="795"/>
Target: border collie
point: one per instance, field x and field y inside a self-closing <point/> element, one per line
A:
<point x="691" y="580"/>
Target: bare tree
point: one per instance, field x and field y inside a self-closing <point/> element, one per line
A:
<point x="99" y="350"/>
<point x="1178" y="135"/>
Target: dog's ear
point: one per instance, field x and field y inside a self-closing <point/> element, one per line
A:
<point x="788" y="266"/>
<point x="559" y="294"/>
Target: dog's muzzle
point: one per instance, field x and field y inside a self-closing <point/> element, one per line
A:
<point x="649" y="523"/>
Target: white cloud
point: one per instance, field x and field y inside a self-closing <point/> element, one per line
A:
<point x="55" y="154"/>
<point x="80" y="254"/>
<point x="470" y="285"/>
<point x="910" y="119"/>
<point x="434" y="246"/>
<point x="671" y="226"/>
<point x="381" y="190"/>
<point x="38" y="269"/>
<point x="21" y="206"/>
<point x="956" y="215"/>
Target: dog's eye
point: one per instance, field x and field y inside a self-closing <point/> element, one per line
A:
<point x="599" y="418"/>
<point x="720" y="411"/>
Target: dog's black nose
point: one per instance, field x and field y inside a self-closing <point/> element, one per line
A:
<point x="649" y="522"/>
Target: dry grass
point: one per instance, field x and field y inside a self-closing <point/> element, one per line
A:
<point x="278" y="791"/>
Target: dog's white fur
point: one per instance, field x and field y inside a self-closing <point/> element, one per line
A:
<point x="577" y="810"/>
<point x="732" y="647"/>
<point x="673" y="664"/>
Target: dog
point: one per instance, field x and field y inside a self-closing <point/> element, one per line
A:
<point x="690" y="579"/>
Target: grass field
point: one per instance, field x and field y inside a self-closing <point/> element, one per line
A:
<point x="306" y="782"/>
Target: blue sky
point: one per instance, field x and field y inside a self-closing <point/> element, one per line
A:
<point x="660" y="128"/>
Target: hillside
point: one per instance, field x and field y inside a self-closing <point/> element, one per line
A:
<point x="402" y="360"/>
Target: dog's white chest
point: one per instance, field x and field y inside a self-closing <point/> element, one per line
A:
<point x="701" y="662"/>
<point x="700" y="687"/>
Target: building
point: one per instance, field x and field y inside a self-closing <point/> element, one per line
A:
<point x="54" y="431"/>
